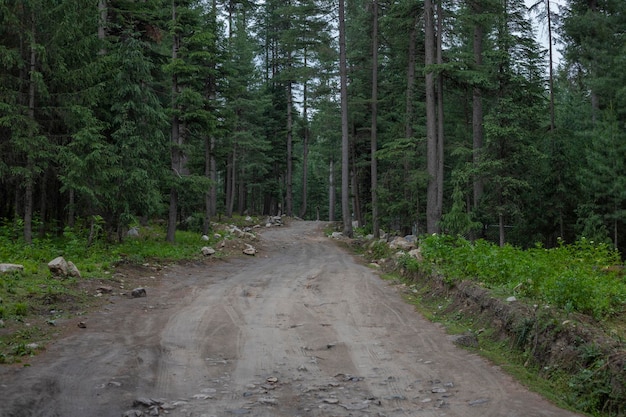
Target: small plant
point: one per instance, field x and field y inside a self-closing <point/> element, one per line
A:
<point x="20" y="309"/>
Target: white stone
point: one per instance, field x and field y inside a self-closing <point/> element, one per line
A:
<point x="205" y="238"/>
<point x="249" y="250"/>
<point x="207" y="251"/>
<point x="58" y="266"/>
<point x="10" y="268"/>
<point x="72" y="270"/>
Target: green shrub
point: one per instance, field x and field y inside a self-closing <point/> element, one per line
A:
<point x="572" y="277"/>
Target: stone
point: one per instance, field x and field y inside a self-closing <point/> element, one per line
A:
<point x="72" y="270"/>
<point x="336" y="235"/>
<point x="466" y="340"/>
<point x="4" y="268"/>
<point x="105" y="289"/>
<point x="417" y="254"/>
<point x="133" y="232"/>
<point x="207" y="251"/>
<point x="401" y="243"/>
<point x="205" y="238"/>
<point x="249" y="250"/>
<point x="511" y="299"/>
<point x="139" y="292"/>
<point x="58" y="266"/>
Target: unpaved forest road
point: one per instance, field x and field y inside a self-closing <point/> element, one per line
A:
<point x="300" y="330"/>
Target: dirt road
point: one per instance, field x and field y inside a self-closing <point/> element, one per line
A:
<point x="302" y="329"/>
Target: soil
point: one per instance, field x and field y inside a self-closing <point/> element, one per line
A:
<point x="301" y="329"/>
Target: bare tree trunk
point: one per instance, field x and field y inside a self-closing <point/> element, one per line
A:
<point x="175" y="142"/>
<point x="440" y="118"/>
<point x="551" y="57"/>
<point x="374" y="128"/>
<point x="432" y="215"/>
<point x="28" y="192"/>
<point x="102" y="23"/>
<point x="331" y="191"/>
<point x="409" y="109"/>
<point x="232" y="184"/>
<point x="345" y="145"/>
<point x="305" y="149"/>
<point x="477" y="108"/>
<point x="289" y="179"/>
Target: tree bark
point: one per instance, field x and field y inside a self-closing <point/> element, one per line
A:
<point x="175" y="143"/>
<point x="331" y="191"/>
<point x="374" y="128"/>
<point x="440" y="118"/>
<point x="432" y="215"/>
<point x="477" y="107"/>
<point x="28" y="192"/>
<point x="102" y="23"/>
<point x="305" y="148"/>
<point x="289" y="179"/>
<point x="345" y="145"/>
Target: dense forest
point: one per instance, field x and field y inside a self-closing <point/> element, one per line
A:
<point x="410" y="116"/>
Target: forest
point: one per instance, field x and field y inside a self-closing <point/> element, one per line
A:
<point x="407" y="116"/>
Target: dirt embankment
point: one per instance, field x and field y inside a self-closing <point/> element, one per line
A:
<point x="570" y="346"/>
<point x="301" y="329"/>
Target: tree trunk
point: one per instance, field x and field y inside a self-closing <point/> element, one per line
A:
<point x="432" y="215"/>
<point x="102" y="23"/>
<point x="175" y="142"/>
<point x="551" y="58"/>
<point x="305" y="149"/>
<point x="410" y="110"/>
<point x="231" y="184"/>
<point x="331" y="191"/>
<point x="345" y="145"/>
<point x="477" y="108"/>
<point x="440" y="118"/>
<point x="289" y="179"/>
<point x="374" y="128"/>
<point x="28" y="192"/>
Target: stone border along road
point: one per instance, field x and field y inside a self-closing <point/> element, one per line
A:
<point x="302" y="329"/>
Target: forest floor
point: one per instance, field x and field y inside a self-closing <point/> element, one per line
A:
<point x="304" y="328"/>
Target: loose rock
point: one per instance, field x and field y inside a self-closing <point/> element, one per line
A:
<point x="58" y="266"/>
<point x="4" y="268"/>
<point x="207" y="251"/>
<point x="139" y="292"/>
<point x="249" y="250"/>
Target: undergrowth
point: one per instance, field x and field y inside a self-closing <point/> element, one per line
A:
<point x="582" y="277"/>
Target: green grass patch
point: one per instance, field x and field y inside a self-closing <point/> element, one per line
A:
<point x="582" y="277"/>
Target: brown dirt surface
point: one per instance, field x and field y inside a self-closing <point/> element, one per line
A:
<point x="301" y="329"/>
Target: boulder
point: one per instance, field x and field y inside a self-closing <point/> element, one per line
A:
<point x="72" y="270"/>
<point x="417" y="254"/>
<point x="336" y="235"/>
<point x="207" y="251"/>
<point x="401" y="243"/>
<point x="133" y="232"/>
<point x="205" y="238"/>
<point x="4" y="268"/>
<point x="58" y="267"/>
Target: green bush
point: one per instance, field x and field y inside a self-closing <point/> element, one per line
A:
<point x="573" y="277"/>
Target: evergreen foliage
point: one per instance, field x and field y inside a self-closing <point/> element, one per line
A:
<point x="89" y="95"/>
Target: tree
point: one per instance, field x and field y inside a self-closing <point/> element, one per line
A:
<point x="345" y="140"/>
